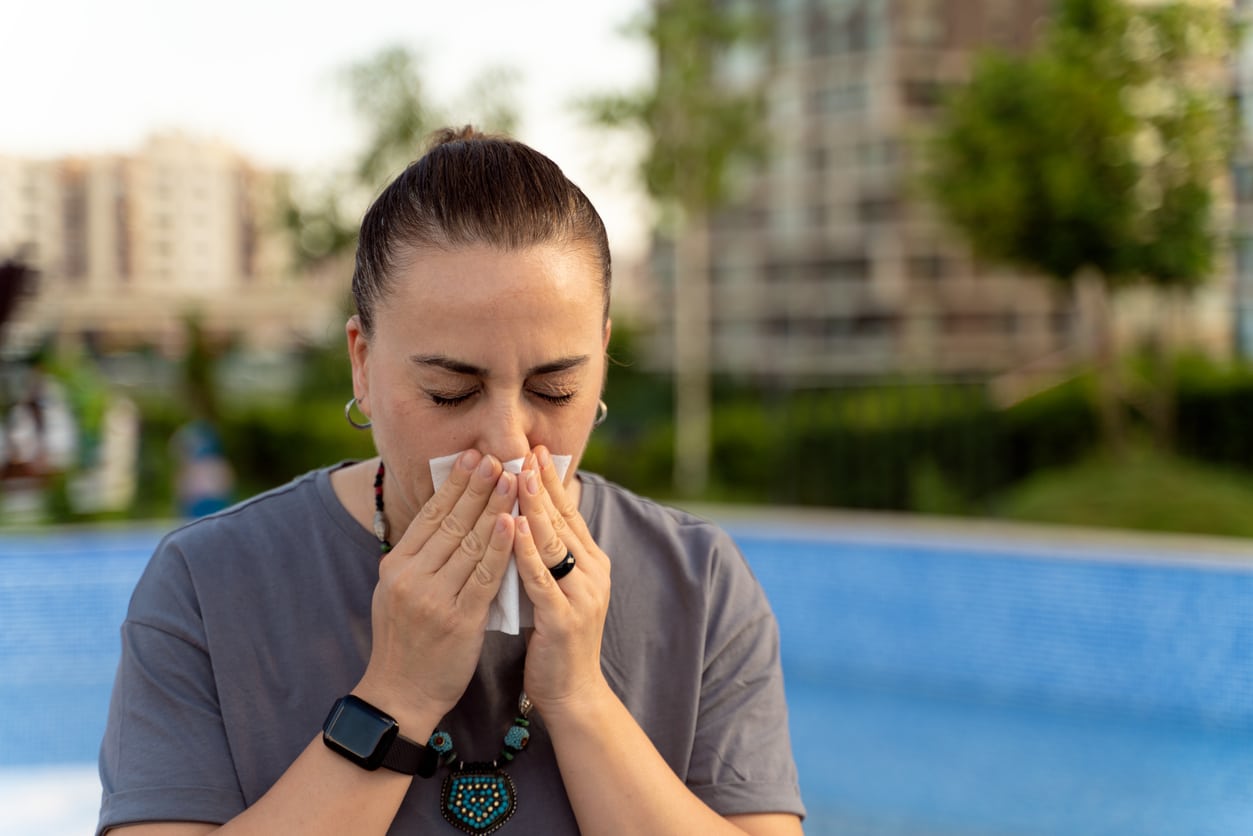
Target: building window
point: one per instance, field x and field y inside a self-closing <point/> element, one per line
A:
<point x="1244" y="256"/>
<point x="874" y="325"/>
<point x="922" y="94"/>
<point x="923" y="24"/>
<point x="839" y="99"/>
<point x="928" y="266"/>
<point x="880" y="152"/>
<point x="777" y="326"/>
<point x="855" y="268"/>
<point x="877" y="208"/>
<point x="1242" y="174"/>
<point x="835" y="327"/>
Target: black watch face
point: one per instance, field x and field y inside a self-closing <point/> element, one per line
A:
<point x="357" y="730"/>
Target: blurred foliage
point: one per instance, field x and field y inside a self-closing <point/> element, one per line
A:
<point x="905" y="445"/>
<point x="323" y="369"/>
<point x="396" y="113"/>
<point x="1148" y="490"/>
<point x="1093" y="159"/>
<point x="702" y="116"/>
<point x="198" y="369"/>
<point x="87" y="396"/>
<point x="1100" y="149"/>
<point x="269" y="445"/>
<point x="1215" y="413"/>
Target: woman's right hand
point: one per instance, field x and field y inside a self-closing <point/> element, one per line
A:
<point x="434" y="592"/>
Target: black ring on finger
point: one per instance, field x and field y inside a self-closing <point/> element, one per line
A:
<point x="565" y="567"/>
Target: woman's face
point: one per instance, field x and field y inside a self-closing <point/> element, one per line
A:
<point x="479" y="347"/>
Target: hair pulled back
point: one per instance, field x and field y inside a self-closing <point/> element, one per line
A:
<point x="472" y="188"/>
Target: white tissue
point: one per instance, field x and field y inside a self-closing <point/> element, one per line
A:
<point x="512" y="610"/>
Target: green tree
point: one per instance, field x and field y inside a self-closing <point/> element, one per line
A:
<point x="397" y="113"/>
<point x="1093" y="158"/>
<point x="701" y="117"/>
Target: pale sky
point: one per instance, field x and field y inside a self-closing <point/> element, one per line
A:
<point x="98" y="76"/>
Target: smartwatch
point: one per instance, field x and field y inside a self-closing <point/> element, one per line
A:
<point x="370" y="739"/>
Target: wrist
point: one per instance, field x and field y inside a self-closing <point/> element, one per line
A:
<point x="416" y="723"/>
<point x="583" y="708"/>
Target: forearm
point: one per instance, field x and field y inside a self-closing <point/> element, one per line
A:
<point x="617" y="781"/>
<point x="321" y="792"/>
<point x="324" y="793"/>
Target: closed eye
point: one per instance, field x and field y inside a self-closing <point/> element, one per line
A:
<point x="448" y="399"/>
<point x="558" y="399"/>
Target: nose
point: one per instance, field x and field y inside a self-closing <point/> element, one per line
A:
<point x="505" y="430"/>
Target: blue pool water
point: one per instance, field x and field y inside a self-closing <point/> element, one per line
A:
<point x="934" y="686"/>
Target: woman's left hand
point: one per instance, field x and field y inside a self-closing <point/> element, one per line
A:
<point x="563" y="654"/>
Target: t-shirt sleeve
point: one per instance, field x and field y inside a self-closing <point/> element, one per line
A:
<point x="165" y="754"/>
<point x="742" y="756"/>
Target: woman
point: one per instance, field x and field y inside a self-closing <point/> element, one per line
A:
<point x="482" y="291"/>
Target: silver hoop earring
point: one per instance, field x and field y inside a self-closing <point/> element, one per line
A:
<point x="348" y="416"/>
<point x="602" y="412"/>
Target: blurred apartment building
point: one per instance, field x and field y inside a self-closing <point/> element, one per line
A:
<point x="128" y="245"/>
<point x="831" y="265"/>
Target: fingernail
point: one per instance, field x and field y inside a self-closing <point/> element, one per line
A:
<point x="502" y="484"/>
<point x="469" y="459"/>
<point x="500" y="525"/>
<point x="485" y="467"/>
<point x="532" y="483"/>
<point x="524" y="527"/>
<point x="543" y="458"/>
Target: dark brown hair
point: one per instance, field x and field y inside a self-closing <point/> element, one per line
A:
<point x="470" y="189"/>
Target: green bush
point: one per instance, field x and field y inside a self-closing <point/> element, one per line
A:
<point x="1214" y="416"/>
<point x="270" y="444"/>
<point x="942" y="448"/>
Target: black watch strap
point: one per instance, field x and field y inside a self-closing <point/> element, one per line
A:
<point x="411" y="758"/>
<point x="371" y="738"/>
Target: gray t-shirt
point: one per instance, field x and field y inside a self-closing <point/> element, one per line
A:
<point x="247" y="626"/>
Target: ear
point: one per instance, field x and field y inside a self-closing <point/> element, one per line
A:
<point x="604" y="352"/>
<point x="359" y="355"/>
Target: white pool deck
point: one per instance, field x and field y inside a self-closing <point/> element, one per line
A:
<point x="49" y="800"/>
<point x="1001" y="536"/>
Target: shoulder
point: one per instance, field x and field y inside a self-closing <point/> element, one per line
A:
<point x="302" y="511"/>
<point x="655" y="545"/>
<point x="614" y="511"/>
<point x="256" y="541"/>
<point x="283" y="506"/>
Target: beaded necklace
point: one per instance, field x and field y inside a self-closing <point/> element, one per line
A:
<point x="477" y="798"/>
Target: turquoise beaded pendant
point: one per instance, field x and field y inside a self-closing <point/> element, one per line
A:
<point x="478" y="798"/>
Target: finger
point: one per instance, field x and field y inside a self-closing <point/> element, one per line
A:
<point x="441" y="503"/>
<point x="566" y="517"/>
<point x="537" y="581"/>
<point x="561" y="500"/>
<point x="471" y="550"/>
<point x="449" y="515"/>
<point x="483" y="582"/>
<point x="551" y="535"/>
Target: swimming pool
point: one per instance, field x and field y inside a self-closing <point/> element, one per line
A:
<point x="939" y="682"/>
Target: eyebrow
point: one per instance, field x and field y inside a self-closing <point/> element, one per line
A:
<point x="439" y="361"/>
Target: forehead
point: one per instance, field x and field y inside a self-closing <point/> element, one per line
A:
<point x="460" y="291"/>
